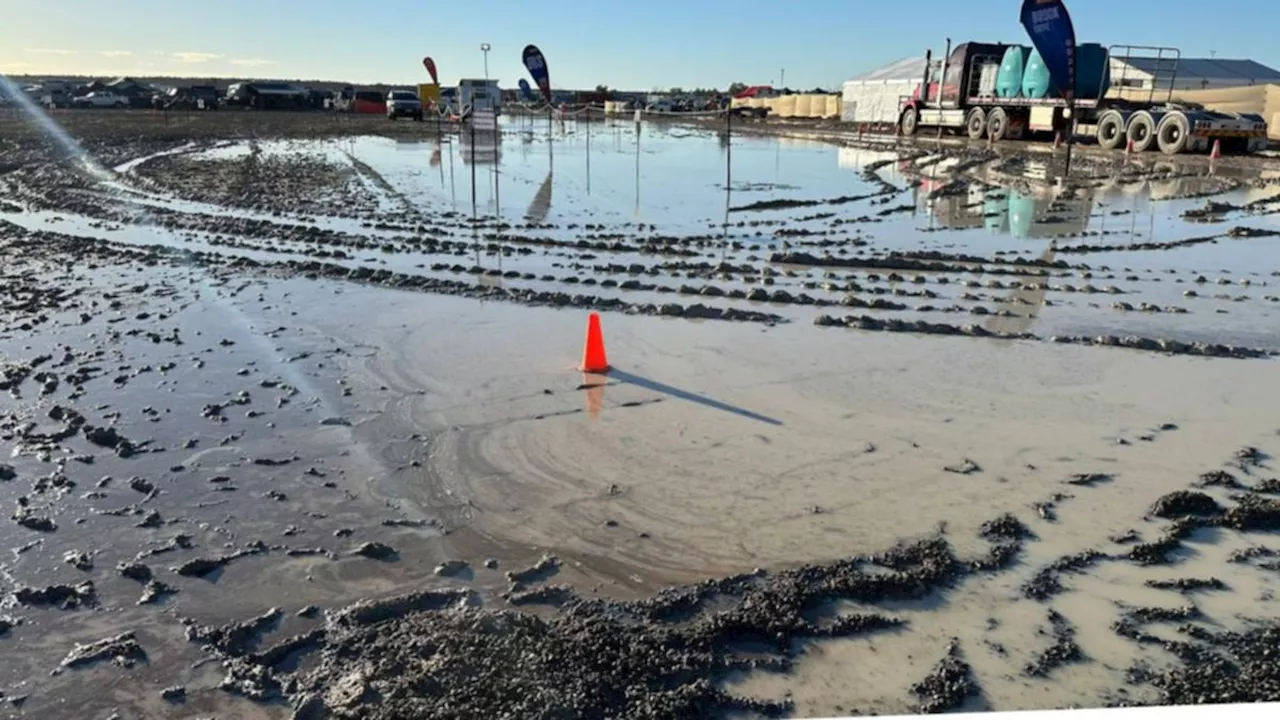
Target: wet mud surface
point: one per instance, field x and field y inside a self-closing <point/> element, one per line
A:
<point x="213" y="512"/>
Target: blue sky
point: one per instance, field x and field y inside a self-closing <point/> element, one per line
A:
<point x="632" y="45"/>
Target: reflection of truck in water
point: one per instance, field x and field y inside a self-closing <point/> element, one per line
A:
<point x="1011" y="212"/>
<point x="997" y="91"/>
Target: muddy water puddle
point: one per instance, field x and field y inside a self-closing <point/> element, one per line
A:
<point x="1156" y="292"/>
<point x="279" y="414"/>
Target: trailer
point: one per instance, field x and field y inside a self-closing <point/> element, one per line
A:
<point x="964" y="101"/>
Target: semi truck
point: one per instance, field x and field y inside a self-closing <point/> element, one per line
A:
<point x="958" y="95"/>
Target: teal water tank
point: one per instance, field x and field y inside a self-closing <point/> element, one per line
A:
<point x="1009" y="79"/>
<point x="1036" y="82"/>
<point x="1093" y="71"/>
<point x="1022" y="213"/>
<point x="995" y="212"/>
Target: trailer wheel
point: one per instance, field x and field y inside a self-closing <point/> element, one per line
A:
<point x="1142" y="131"/>
<point x="909" y="122"/>
<point x="976" y="123"/>
<point x="1172" y="133"/>
<point x="997" y="125"/>
<point x="1110" y="130"/>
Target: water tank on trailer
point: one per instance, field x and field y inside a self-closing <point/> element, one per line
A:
<point x="1093" y="71"/>
<point x="1009" y="79"/>
<point x="1036" y="82"/>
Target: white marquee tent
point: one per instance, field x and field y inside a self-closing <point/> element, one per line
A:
<point x="873" y="98"/>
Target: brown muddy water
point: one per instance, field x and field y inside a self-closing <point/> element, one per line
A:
<point x="294" y="429"/>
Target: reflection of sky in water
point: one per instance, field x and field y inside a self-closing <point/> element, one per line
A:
<point x="673" y="177"/>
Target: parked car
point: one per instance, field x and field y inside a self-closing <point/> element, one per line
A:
<point x="102" y="100"/>
<point x="197" y="97"/>
<point x="267" y="96"/>
<point x="403" y="103"/>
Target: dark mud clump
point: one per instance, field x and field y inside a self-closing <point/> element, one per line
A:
<point x="122" y="649"/>
<point x="437" y="654"/>
<point x="66" y="597"/>
<point x="1182" y="503"/>
<point x="1064" y="649"/>
<point x="1233" y="668"/>
<point x="1046" y="582"/>
<point x="949" y="685"/>
<point x="1006" y="527"/>
<point x="1187" y="585"/>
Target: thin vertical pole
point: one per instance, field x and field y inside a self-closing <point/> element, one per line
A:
<point x="1071" y="135"/>
<point x="728" y="151"/>
<point x="472" y="121"/>
<point x="588" y="119"/>
<point x="453" y="186"/>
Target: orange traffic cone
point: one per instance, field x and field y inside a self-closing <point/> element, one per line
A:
<point x="593" y="355"/>
<point x="1128" y="148"/>
<point x="1217" y="150"/>
<point x="1057" y="140"/>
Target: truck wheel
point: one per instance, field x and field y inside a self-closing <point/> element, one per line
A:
<point x="909" y="122"/>
<point x="1142" y="131"/>
<point x="997" y="125"/>
<point x="976" y="123"/>
<point x="1110" y="131"/>
<point x="1172" y="134"/>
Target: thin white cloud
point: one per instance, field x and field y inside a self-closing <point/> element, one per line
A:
<point x="115" y="53"/>
<point x="49" y="51"/>
<point x="252" y="62"/>
<point x="196" y="57"/>
<point x="12" y="66"/>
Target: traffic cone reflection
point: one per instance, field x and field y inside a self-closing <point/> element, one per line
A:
<point x="595" y="395"/>
<point x="594" y="359"/>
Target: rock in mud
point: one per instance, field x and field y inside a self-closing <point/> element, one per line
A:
<point x="966" y="467"/>
<point x="547" y="566"/>
<point x="1088" y="479"/>
<point x="66" y="597"/>
<point x="375" y="551"/>
<point x="200" y="567"/>
<point x="27" y="519"/>
<point x="122" y="649"/>
<point x="134" y="571"/>
<point x="7" y="473"/>
<point x="154" y="591"/>
<point x="174" y="694"/>
<point x="78" y="560"/>
<point x="451" y="568"/>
